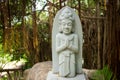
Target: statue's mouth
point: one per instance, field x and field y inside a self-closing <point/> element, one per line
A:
<point x="66" y="30"/>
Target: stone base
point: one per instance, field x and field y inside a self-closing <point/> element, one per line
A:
<point x="52" y="76"/>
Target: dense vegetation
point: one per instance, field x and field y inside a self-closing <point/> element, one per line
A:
<point x="25" y="30"/>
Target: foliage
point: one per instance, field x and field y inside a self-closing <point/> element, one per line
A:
<point x="4" y="57"/>
<point x="104" y="74"/>
<point x="18" y="38"/>
<point x="4" y="78"/>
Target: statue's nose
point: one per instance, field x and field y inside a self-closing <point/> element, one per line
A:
<point x="66" y="26"/>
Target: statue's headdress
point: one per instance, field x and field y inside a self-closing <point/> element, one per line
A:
<point x="66" y="14"/>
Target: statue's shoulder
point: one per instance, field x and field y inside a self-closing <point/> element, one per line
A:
<point x="74" y="35"/>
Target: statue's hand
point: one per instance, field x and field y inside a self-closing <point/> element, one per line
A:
<point x="67" y="43"/>
<point x="70" y="45"/>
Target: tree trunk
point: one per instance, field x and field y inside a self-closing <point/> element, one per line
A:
<point x="23" y="24"/>
<point x="112" y="41"/>
<point x="79" y="8"/>
<point x="35" y="33"/>
<point x="98" y="26"/>
<point x="6" y="26"/>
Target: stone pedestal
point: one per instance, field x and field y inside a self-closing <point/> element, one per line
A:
<point x="52" y="76"/>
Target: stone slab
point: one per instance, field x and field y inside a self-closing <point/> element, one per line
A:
<point x="52" y="76"/>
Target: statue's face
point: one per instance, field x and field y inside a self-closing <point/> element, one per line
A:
<point x="66" y="26"/>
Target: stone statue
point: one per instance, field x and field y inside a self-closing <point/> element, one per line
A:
<point x="66" y="44"/>
<point x="67" y="41"/>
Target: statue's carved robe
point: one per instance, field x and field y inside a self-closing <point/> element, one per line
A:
<point x="67" y="55"/>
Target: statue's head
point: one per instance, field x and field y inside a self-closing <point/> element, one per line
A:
<point x="66" y="20"/>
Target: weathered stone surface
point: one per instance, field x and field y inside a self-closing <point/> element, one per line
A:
<point x="89" y="72"/>
<point x="67" y="42"/>
<point x="44" y="68"/>
<point x="52" y="76"/>
<point x="38" y="71"/>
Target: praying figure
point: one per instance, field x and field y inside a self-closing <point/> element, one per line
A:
<point x="66" y="44"/>
<point x="67" y="41"/>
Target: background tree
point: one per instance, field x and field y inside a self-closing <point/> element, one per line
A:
<point x="112" y="38"/>
<point x="27" y="32"/>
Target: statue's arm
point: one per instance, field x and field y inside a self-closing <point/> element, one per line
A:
<point x="74" y="46"/>
<point x="59" y="47"/>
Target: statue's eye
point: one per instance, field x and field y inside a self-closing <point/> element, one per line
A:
<point x="69" y="24"/>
